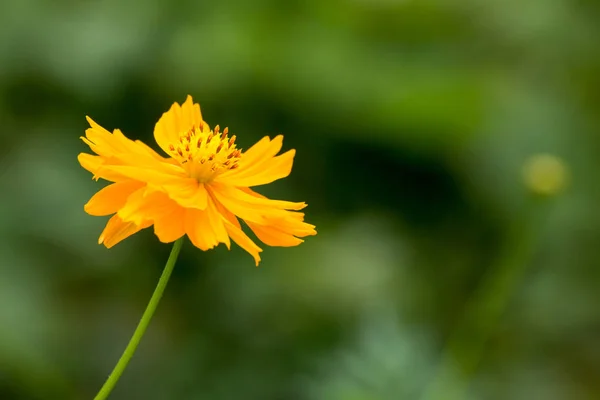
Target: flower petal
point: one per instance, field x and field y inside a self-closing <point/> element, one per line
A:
<point x="116" y="230"/>
<point x="115" y="144"/>
<point x="243" y="240"/>
<point x="117" y="151"/>
<point x="146" y="204"/>
<point x="295" y="225"/>
<point x="179" y="119"/>
<point x="187" y="193"/>
<point x="246" y="195"/>
<point x="171" y="226"/>
<point x="249" y="207"/>
<point x="111" y="198"/>
<point x="197" y="227"/>
<point x="264" y="148"/>
<point x="273" y="236"/>
<point x="140" y="173"/>
<point x="215" y="220"/>
<point x="228" y="215"/>
<point x="292" y="221"/>
<point x="266" y="171"/>
<point x="94" y="163"/>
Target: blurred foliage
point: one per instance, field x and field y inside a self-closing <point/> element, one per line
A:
<point x="412" y="120"/>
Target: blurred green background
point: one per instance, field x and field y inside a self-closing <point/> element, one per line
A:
<point x="412" y="120"/>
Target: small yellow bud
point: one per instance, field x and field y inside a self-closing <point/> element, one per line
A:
<point x="545" y="174"/>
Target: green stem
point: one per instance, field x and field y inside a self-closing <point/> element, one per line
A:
<point x="143" y="324"/>
<point x="467" y="342"/>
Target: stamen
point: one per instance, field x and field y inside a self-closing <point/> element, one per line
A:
<point x="204" y="159"/>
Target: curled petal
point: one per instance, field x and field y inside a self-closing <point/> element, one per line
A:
<point x="117" y="145"/>
<point x="215" y="219"/>
<point x="177" y="120"/>
<point x="94" y="164"/>
<point x="245" y="197"/>
<point x="111" y="198"/>
<point x="263" y="149"/>
<point x="274" y="236"/>
<point x="243" y="241"/>
<point x="116" y="230"/>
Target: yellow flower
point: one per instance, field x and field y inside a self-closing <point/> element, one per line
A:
<point x="201" y="189"/>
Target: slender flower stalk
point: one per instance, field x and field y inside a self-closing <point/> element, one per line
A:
<point x="143" y="324"/>
<point x="466" y="344"/>
<point x="544" y="176"/>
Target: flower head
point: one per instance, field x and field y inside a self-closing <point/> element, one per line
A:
<point x="545" y="174"/>
<point x="199" y="190"/>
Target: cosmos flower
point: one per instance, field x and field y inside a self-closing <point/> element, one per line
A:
<point x="199" y="190"/>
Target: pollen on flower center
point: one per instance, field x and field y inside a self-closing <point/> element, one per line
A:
<point x="204" y="153"/>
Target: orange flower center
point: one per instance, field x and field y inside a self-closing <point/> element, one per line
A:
<point x="204" y="153"/>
